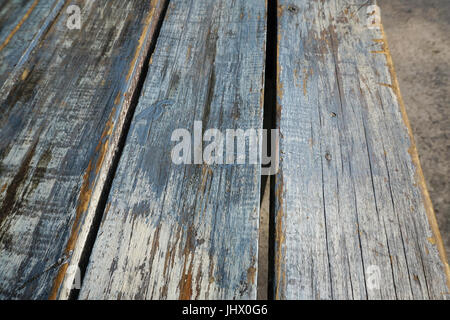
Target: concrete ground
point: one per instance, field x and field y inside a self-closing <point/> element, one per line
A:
<point x="418" y="33"/>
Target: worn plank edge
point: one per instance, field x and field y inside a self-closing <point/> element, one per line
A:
<point x="62" y="284"/>
<point x="278" y="185"/>
<point x="420" y="178"/>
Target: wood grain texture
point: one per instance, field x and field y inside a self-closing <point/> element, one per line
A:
<point x="187" y="231"/>
<point x="22" y="24"/>
<point x="350" y="196"/>
<point x="60" y="121"/>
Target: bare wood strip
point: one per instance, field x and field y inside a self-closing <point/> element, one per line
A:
<point x="353" y="217"/>
<point x="187" y="231"/>
<point x="60" y="123"/>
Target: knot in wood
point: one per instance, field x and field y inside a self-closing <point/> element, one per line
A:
<point x="292" y="9"/>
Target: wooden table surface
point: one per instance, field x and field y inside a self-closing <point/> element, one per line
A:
<point x="93" y="206"/>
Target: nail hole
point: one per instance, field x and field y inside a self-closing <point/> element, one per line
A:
<point x="293" y="9"/>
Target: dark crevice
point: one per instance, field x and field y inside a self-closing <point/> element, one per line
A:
<point x="94" y="229"/>
<point x="269" y="122"/>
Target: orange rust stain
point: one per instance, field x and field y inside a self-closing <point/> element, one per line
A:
<point x="261" y="97"/>
<point x="186" y="287"/>
<point x="102" y="146"/>
<point x="83" y="202"/>
<point x="206" y="173"/>
<point x="155" y="242"/>
<point x="295" y="75"/>
<point x="280" y="10"/>
<point x="279" y="236"/>
<point x="211" y="278"/>
<point x="386" y="85"/>
<point x="170" y="254"/>
<point x="188" y="55"/>
<point x="101" y="158"/>
<point x="17" y="27"/>
<point x="141" y="41"/>
<point x="251" y="272"/>
<point x="109" y="126"/>
<point x="118" y="98"/>
<point x="167" y="259"/>
<point x="185" y="283"/>
<point x="198" y="279"/>
<point x="24" y="75"/>
<point x="420" y="179"/>
<point x="58" y="281"/>
<point x="85" y="197"/>
<point x="108" y="206"/>
<point x="186" y="280"/>
<point x="280" y="93"/>
<point x="280" y="90"/>
<point x="306" y="75"/>
<point x="262" y="92"/>
<point x="3" y="188"/>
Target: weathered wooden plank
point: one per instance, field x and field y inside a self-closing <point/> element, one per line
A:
<point x="60" y="122"/>
<point x="187" y="231"/>
<point x="22" y="23"/>
<point x="353" y="217"/>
